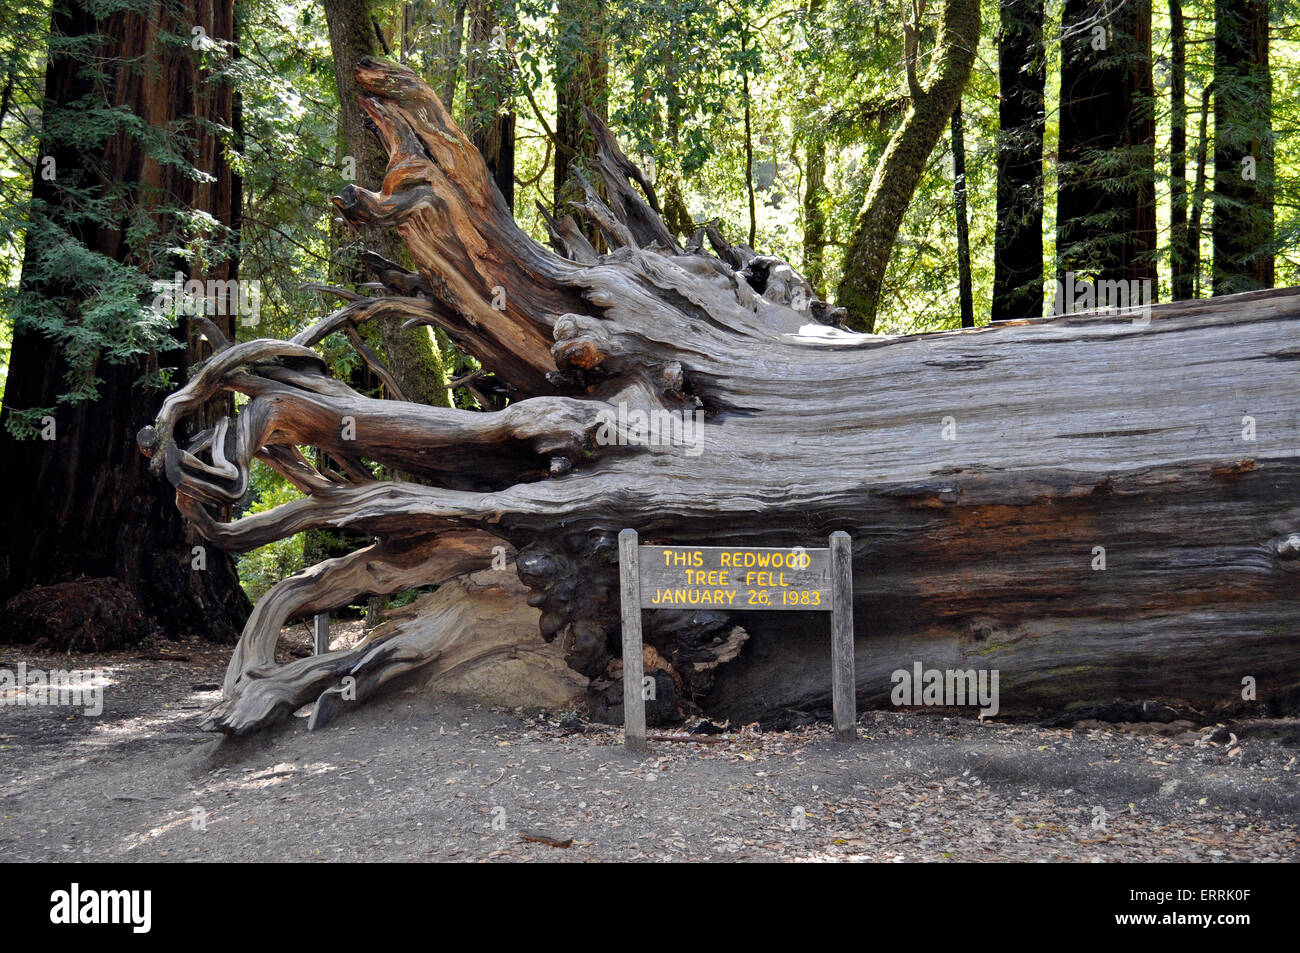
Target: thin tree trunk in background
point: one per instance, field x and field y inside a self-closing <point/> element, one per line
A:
<point x="413" y="358"/>
<point x="490" y="124"/>
<point x="1106" y="205"/>
<point x="85" y="502"/>
<point x="6" y="96"/>
<point x="814" y="195"/>
<point x="581" y="79"/>
<point x="1198" y="194"/>
<point x="963" y="228"/>
<point x="814" y="213"/>
<point x="1018" y="246"/>
<point x="676" y="213"/>
<point x="1179" y="261"/>
<point x="749" y="138"/>
<point x="1242" y="229"/>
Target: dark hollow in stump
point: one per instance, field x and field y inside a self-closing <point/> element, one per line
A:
<point x="983" y="474"/>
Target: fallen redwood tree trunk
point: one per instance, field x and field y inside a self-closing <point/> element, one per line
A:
<point x="982" y="474"/>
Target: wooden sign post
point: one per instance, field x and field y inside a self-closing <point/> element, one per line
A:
<point x="721" y="577"/>
<point x="320" y="633"/>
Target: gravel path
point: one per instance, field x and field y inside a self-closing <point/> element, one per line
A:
<point x="412" y="778"/>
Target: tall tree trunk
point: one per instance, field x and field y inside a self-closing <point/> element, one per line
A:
<point x="929" y="109"/>
<point x="1198" y="193"/>
<point x="581" y="80"/>
<point x="748" y="109"/>
<point x="1106" y="200"/>
<point x="1242" y="229"/>
<point x="491" y="123"/>
<point x="416" y="363"/>
<point x="1180" y="274"/>
<point x="964" y="292"/>
<point x="814" y="211"/>
<point x="814" y="193"/>
<point x="1018" y="246"/>
<point x="84" y="502"/>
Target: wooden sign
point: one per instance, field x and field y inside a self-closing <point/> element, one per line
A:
<point x="718" y="577"/>
<point x="729" y="579"/>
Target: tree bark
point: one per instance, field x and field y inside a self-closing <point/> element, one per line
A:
<point x="1198" y="193"/>
<point x="814" y="195"/>
<point x="1018" y="246"/>
<point x="1106" y="205"/>
<point x="83" y="503"/>
<point x="1181" y="277"/>
<point x="977" y="525"/>
<point x="964" y="294"/>
<point x="581" y="82"/>
<point x="1242" y="229"/>
<point x="903" y="163"/>
<point x="814" y="212"/>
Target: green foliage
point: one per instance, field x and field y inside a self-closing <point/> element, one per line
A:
<point x="262" y="568"/>
<point x="96" y="307"/>
<point x="820" y="74"/>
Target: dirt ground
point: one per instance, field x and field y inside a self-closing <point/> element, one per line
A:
<point x="410" y="777"/>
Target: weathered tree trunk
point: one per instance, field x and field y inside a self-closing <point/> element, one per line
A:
<point x="978" y="471"/>
<point x="83" y="502"/>
<point x="1022" y="81"/>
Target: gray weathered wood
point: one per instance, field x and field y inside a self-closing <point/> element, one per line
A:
<point x="633" y="666"/>
<point x="321" y="633"/>
<point x="843" y="682"/>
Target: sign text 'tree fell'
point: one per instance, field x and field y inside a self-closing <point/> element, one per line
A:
<point x="723" y="577"/>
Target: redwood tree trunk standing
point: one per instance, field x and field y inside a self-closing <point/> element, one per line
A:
<point x="581" y="80"/>
<point x="932" y="99"/>
<point x="1018" y="247"/>
<point x="416" y="363"/>
<point x="1181" y="277"/>
<point x="487" y="88"/>
<point x="1242" y="228"/>
<point x="1106" y="200"/>
<point x="84" y="502"/>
